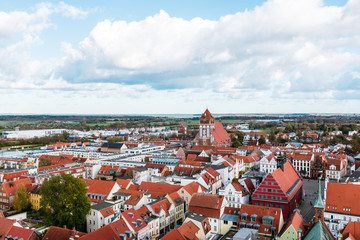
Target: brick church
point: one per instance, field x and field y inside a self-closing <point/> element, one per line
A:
<point x="211" y="133"/>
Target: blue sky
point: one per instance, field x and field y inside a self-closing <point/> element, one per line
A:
<point x="122" y="57"/>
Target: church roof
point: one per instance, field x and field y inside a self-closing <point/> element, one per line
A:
<point x="319" y="231"/>
<point x="207" y="115"/>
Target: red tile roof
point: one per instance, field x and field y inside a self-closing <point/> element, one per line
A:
<point x="10" y="188"/>
<point x="287" y="178"/>
<point x="260" y="212"/>
<point x="192" y="187"/>
<point x="296" y="221"/>
<point x="100" y="187"/>
<point x="207" y="115"/>
<point x="189" y="230"/>
<point x="123" y="183"/>
<point x="206" y="204"/>
<point x="173" y="235"/>
<point x="62" y="159"/>
<point x="158" y="187"/>
<point x="220" y="135"/>
<point x="352" y="229"/>
<point x="5" y="227"/>
<point x="343" y="198"/>
<point x="107" y="212"/>
<point x="57" y="233"/>
<point x="109" y="232"/>
<point x="133" y="218"/>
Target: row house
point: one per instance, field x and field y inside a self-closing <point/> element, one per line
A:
<point x="336" y="166"/>
<point x="235" y="194"/>
<point x="281" y="189"/>
<point x="131" y="198"/>
<point x="342" y="205"/>
<point x="165" y="210"/>
<point x="152" y="220"/>
<point x="202" y="222"/>
<point x="268" y="164"/>
<point x="210" y="179"/>
<point x="209" y="205"/>
<point x="187" y="231"/>
<point x="101" y="214"/>
<point x="302" y="162"/>
<point x="77" y="171"/>
<point x="268" y="221"/>
<point x="255" y="137"/>
<point x="229" y="219"/>
<point x="9" y="189"/>
<point x="13" y="175"/>
<point x="178" y="202"/>
<point x="107" y="172"/>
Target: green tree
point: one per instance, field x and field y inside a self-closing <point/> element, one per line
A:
<point x="43" y="162"/>
<point x="262" y="141"/>
<point x="64" y="201"/>
<point x="272" y="135"/>
<point x="21" y="199"/>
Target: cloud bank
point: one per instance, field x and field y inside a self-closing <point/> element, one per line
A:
<point x="283" y="49"/>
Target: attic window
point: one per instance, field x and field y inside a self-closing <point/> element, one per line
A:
<point x="253" y="218"/>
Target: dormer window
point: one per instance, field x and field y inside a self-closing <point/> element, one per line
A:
<point x="268" y="220"/>
<point x="244" y="216"/>
<point x="253" y="218"/>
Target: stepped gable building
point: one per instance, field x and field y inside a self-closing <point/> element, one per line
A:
<point x="211" y="133"/>
<point x="281" y="188"/>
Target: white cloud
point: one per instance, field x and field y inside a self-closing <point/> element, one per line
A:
<point x="284" y="49"/>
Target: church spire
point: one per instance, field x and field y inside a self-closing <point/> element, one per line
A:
<point x="319" y="204"/>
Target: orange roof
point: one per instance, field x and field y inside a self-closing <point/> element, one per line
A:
<point x="206" y="204"/>
<point x="352" y="229"/>
<point x="62" y="159"/>
<point x="260" y="212"/>
<point x="173" y="235"/>
<point x="287" y="178"/>
<point x="207" y="115"/>
<point x="159" y="187"/>
<point x="175" y="196"/>
<point x="99" y="187"/>
<point x="111" y="231"/>
<point x="343" y="198"/>
<point x="10" y="188"/>
<point x="192" y="187"/>
<point x="189" y="230"/>
<point x="57" y="233"/>
<point x="107" y="212"/>
<point x="123" y="183"/>
<point x="133" y="218"/>
<point x="296" y="221"/>
<point x="220" y="134"/>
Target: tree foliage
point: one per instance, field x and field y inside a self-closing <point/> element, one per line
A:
<point x="21" y="199"/>
<point x="43" y="162"/>
<point x="64" y="201"/>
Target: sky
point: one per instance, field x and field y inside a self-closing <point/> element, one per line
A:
<point x="168" y="57"/>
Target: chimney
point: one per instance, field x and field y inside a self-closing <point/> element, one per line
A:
<point x="65" y="227"/>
